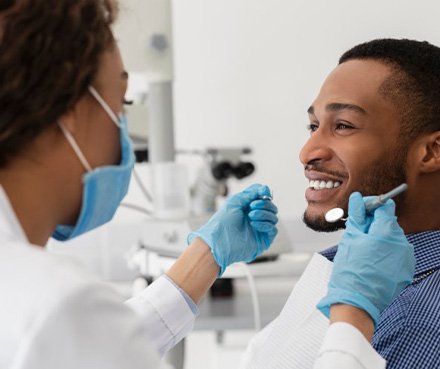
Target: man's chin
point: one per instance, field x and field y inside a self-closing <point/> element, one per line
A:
<point x="319" y="224"/>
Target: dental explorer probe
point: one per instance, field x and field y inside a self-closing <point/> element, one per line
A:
<point x="336" y="214"/>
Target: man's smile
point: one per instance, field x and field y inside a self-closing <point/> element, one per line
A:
<point x="322" y="185"/>
<point x="321" y="195"/>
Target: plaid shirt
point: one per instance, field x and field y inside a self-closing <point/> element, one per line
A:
<point x="408" y="333"/>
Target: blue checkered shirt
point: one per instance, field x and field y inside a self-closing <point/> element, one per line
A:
<point x="408" y="333"/>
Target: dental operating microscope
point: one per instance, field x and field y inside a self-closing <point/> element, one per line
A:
<point x="220" y="165"/>
<point x="166" y="235"/>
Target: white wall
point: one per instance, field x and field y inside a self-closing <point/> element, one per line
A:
<point x="247" y="70"/>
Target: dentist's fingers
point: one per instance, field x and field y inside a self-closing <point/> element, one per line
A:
<point x="356" y="208"/>
<point x="264" y="227"/>
<point x="384" y="220"/>
<point x="252" y="193"/>
<point x="263" y="215"/>
<point x="263" y="205"/>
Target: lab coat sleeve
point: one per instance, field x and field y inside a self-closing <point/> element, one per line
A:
<point x="166" y="315"/>
<point x="345" y="347"/>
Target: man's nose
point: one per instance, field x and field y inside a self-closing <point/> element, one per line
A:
<point x="317" y="148"/>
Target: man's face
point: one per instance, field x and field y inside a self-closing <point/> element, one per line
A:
<point x="353" y="144"/>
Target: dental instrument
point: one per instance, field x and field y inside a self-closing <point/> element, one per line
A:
<point x="266" y="197"/>
<point x="336" y="214"/>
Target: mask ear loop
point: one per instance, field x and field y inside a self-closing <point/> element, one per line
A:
<point x="75" y="147"/>
<point x="105" y="106"/>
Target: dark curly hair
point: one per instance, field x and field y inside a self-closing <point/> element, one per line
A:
<point x="414" y="84"/>
<point x="49" y="54"/>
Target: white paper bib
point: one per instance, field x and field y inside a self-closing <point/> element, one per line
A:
<point x="293" y="339"/>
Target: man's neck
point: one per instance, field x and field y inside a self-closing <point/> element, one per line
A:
<point x="421" y="214"/>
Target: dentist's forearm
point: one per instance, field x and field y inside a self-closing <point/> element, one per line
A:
<point x="354" y="316"/>
<point x="195" y="271"/>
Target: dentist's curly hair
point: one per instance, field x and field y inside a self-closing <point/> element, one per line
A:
<point x="49" y="54"/>
<point x="414" y="83"/>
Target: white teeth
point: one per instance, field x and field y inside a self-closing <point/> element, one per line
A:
<point x="321" y="184"/>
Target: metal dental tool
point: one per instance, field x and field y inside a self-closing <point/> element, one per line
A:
<point x="267" y="197"/>
<point x="336" y="214"/>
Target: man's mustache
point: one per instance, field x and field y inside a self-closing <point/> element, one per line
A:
<point x="317" y="167"/>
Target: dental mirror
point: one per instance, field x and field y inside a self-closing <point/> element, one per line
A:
<point x="335" y="214"/>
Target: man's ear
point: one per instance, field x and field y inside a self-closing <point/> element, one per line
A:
<point x="430" y="153"/>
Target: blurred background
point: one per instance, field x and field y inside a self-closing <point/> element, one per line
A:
<point x="247" y="70"/>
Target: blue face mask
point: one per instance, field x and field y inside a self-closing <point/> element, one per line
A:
<point x="103" y="187"/>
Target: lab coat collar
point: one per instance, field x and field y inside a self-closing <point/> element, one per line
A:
<point x="10" y="227"/>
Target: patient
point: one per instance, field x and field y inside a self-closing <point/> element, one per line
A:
<point x="374" y="125"/>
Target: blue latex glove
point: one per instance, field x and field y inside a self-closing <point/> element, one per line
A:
<point x="374" y="261"/>
<point x="242" y="229"/>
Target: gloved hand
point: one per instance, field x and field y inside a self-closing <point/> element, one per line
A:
<point x="374" y="261"/>
<point x="242" y="229"/>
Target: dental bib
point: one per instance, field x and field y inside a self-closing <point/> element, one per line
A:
<point x="293" y="339"/>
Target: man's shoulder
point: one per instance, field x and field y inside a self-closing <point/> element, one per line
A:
<point x="413" y="318"/>
<point x="417" y="307"/>
<point x="424" y="306"/>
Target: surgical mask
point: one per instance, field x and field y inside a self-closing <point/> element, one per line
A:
<point x="103" y="187"/>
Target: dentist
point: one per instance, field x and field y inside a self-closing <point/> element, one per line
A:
<point x="65" y="165"/>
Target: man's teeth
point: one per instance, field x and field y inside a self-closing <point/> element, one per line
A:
<point x="320" y="184"/>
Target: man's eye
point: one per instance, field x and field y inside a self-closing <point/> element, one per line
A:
<point x="127" y="102"/>
<point x="312" y="127"/>
<point x="343" y="126"/>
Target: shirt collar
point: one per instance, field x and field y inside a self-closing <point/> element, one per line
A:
<point x="10" y="227"/>
<point x="426" y="250"/>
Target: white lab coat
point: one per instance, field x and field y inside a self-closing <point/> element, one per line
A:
<point x="55" y="315"/>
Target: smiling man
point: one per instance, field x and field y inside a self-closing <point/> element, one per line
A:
<point x="374" y="125"/>
<point x="362" y="127"/>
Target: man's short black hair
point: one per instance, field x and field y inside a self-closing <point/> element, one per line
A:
<point x="414" y="84"/>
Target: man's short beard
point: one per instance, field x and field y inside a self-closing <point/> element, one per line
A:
<point x="319" y="224"/>
<point x="380" y="179"/>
